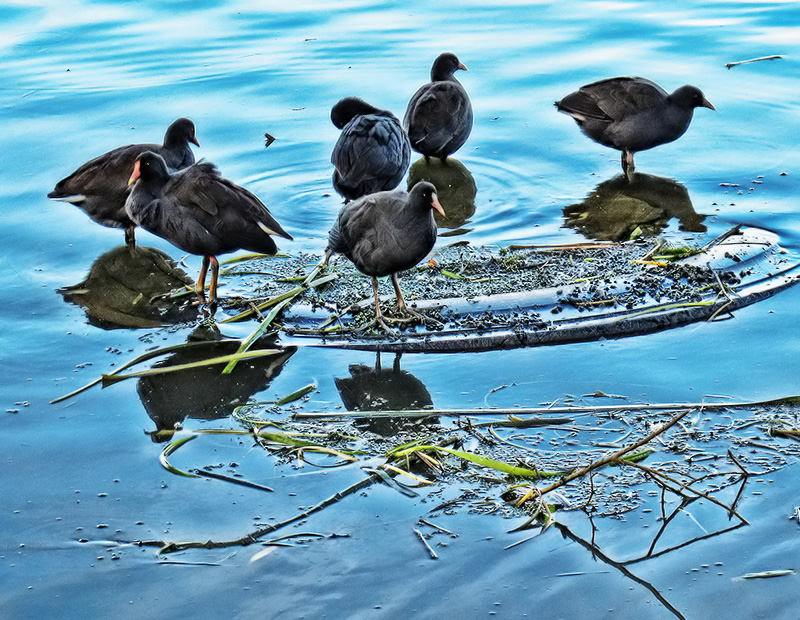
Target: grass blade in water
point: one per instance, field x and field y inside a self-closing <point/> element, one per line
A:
<point x="248" y="342"/>
<point x="512" y="470"/>
<point x="169" y="450"/>
<point x="142" y="358"/>
<point x="296" y="395"/>
<point x="110" y="379"/>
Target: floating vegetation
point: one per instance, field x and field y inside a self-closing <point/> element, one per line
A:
<point x="666" y="462"/>
<point x="535" y="471"/>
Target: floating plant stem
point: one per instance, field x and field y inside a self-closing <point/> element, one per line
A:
<point x="142" y="358"/>
<point x="517" y="411"/>
<point x="296" y="395"/>
<point x="427" y="546"/>
<point x="169" y="450"/>
<point x="110" y="379"/>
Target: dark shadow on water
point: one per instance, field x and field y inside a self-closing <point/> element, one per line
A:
<point x="617" y="207"/>
<point x="127" y="289"/>
<point x="455" y="188"/>
<point x="203" y="393"/>
<point x="384" y="389"/>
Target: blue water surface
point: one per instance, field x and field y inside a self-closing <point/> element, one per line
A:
<point x="84" y="77"/>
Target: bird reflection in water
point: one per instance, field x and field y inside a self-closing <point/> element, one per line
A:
<point x="385" y="389"/>
<point x="203" y="393"/>
<point x="131" y="289"/>
<point x="455" y="188"/>
<point x="617" y="207"/>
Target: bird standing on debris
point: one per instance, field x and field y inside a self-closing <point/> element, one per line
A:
<point x="200" y="212"/>
<point x="385" y="233"/>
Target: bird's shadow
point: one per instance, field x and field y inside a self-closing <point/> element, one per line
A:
<point x="374" y="388"/>
<point x="203" y="393"/>
<point x="132" y="288"/>
<point x="617" y="207"/>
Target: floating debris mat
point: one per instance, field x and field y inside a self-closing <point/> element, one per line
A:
<point x="537" y="295"/>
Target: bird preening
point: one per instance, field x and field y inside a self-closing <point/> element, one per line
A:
<point x="372" y="153"/>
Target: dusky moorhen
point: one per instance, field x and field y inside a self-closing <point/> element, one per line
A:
<point x="100" y="186"/>
<point x="385" y="233"/>
<point x="439" y="115"/>
<point x="200" y="212"/>
<point x="632" y="114"/>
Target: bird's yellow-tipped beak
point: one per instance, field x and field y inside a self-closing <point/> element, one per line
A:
<point x="436" y="205"/>
<point x="707" y="104"/>
<point x="135" y="174"/>
<point x="462" y="66"/>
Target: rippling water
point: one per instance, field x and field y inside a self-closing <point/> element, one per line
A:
<point x="84" y="77"/>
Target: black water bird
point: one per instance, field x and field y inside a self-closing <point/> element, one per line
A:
<point x="200" y="212"/>
<point x="632" y="114"/>
<point x="439" y="115"/>
<point x="385" y="233"/>
<point x="100" y="186"/>
<point x="372" y="153"/>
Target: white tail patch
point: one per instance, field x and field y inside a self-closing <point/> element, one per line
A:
<point x="266" y="229"/>
<point x="76" y="199"/>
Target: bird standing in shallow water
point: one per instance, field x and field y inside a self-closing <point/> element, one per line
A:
<point x="632" y="114"/>
<point x="100" y="186"/>
<point x="439" y="115"/>
<point x="200" y="212"/>
<point x="385" y="233"/>
<point x="372" y="153"/>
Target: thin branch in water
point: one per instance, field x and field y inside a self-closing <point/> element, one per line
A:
<point x="597" y="553"/>
<point x="427" y="546"/>
<point x="253" y="537"/>
<point x="438" y="527"/>
<point x="681" y="486"/>
<point x="616" y="456"/>
<point x="744" y="62"/>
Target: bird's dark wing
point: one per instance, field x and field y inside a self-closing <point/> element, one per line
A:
<point x="356" y="219"/>
<point x="366" y="232"/>
<point x="230" y="212"/>
<point x="613" y="99"/>
<point x="434" y="113"/>
<point x="106" y="175"/>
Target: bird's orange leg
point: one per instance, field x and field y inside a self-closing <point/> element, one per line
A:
<point x="378" y="315"/>
<point x="212" y="295"/>
<point x="200" y="286"/>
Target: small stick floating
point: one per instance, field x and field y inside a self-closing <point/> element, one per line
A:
<point x="744" y="62"/>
